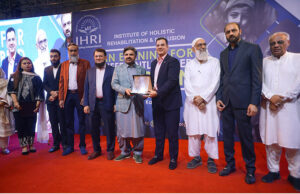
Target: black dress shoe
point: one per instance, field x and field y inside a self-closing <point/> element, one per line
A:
<point x="226" y="171"/>
<point x="25" y="153"/>
<point x="173" y="164"/>
<point x="53" y="149"/>
<point x="295" y="182"/>
<point x="94" y="155"/>
<point x="250" y="178"/>
<point x="270" y="177"/>
<point x="154" y="160"/>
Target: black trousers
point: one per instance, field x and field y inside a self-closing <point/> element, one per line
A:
<point x="72" y="102"/>
<point x="26" y="128"/>
<point x="108" y="118"/>
<point x="57" y="121"/>
<point x="166" y="122"/>
<point x="229" y="116"/>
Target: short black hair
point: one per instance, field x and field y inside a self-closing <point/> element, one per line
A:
<point x="238" y="25"/>
<point x="10" y="29"/>
<point x="130" y="48"/>
<point x="55" y="51"/>
<point x="162" y="38"/>
<point x="100" y="50"/>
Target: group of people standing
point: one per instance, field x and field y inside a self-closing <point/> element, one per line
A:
<point x="230" y="89"/>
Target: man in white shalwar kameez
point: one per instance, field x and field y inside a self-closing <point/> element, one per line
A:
<point x="201" y="82"/>
<point x="280" y="111"/>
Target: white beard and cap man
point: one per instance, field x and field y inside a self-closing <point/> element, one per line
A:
<point x="201" y="81"/>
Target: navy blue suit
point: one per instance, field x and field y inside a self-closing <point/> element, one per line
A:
<point x="101" y="108"/>
<point x="56" y="115"/>
<point x="240" y="85"/>
<point x="166" y="106"/>
<point x="5" y="65"/>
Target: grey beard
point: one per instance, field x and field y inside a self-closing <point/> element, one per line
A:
<point x="74" y="59"/>
<point x="201" y="55"/>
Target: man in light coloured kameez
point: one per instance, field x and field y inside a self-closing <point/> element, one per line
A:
<point x="201" y="81"/>
<point x="280" y="111"/>
<point x="130" y="123"/>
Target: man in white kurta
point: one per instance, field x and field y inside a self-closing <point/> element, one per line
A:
<point x="201" y="81"/>
<point x="280" y="111"/>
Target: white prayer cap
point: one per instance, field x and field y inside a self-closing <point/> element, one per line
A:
<point x="194" y="41"/>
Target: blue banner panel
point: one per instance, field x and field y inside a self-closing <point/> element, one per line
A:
<point x="180" y="22"/>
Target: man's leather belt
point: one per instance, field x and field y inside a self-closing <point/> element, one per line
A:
<point x="99" y="99"/>
<point x="73" y="91"/>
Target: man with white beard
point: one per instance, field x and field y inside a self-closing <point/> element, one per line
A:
<point x="280" y="109"/>
<point x="71" y="88"/>
<point x="201" y="82"/>
<point x="43" y="59"/>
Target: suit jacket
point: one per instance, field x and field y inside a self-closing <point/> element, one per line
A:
<point x="120" y="82"/>
<point x="90" y="89"/>
<point x="5" y="65"/>
<point x="242" y="85"/>
<point x="50" y="83"/>
<point x="83" y="66"/>
<point x="168" y="93"/>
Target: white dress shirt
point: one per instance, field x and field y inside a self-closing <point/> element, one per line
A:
<point x="99" y="81"/>
<point x="72" y="77"/>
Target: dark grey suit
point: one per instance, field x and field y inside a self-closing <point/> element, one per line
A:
<point x="240" y="86"/>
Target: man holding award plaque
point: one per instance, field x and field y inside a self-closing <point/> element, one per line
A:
<point x="129" y="107"/>
<point x="166" y="102"/>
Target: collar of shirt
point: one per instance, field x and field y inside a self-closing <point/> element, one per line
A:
<point x="161" y="59"/>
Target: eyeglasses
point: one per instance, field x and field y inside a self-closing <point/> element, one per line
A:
<point x="280" y="42"/>
<point x="72" y="50"/>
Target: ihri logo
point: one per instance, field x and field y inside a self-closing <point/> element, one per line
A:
<point x="88" y="31"/>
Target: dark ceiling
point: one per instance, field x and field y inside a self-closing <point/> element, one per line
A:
<point x="12" y="9"/>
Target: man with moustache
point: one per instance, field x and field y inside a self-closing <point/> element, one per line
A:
<point x="239" y="96"/>
<point x="166" y="102"/>
<point x="10" y="63"/>
<point x="129" y="109"/>
<point x="66" y="24"/>
<point x="71" y="88"/>
<point x="56" y="116"/>
<point x="201" y="82"/>
<point x="280" y="116"/>
<point x="99" y="100"/>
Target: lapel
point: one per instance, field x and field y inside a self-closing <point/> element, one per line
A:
<point x="79" y="67"/>
<point x="93" y="78"/>
<point x="237" y="56"/>
<point x="105" y="74"/>
<point x="67" y="71"/>
<point x="57" y="74"/>
<point x="163" y="67"/>
<point x="225" y="59"/>
<point x="50" y="73"/>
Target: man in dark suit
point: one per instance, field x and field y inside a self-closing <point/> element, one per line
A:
<point x="99" y="100"/>
<point x="239" y="96"/>
<point x="71" y="88"/>
<point x="166" y="102"/>
<point x="10" y="63"/>
<point x="56" y="116"/>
